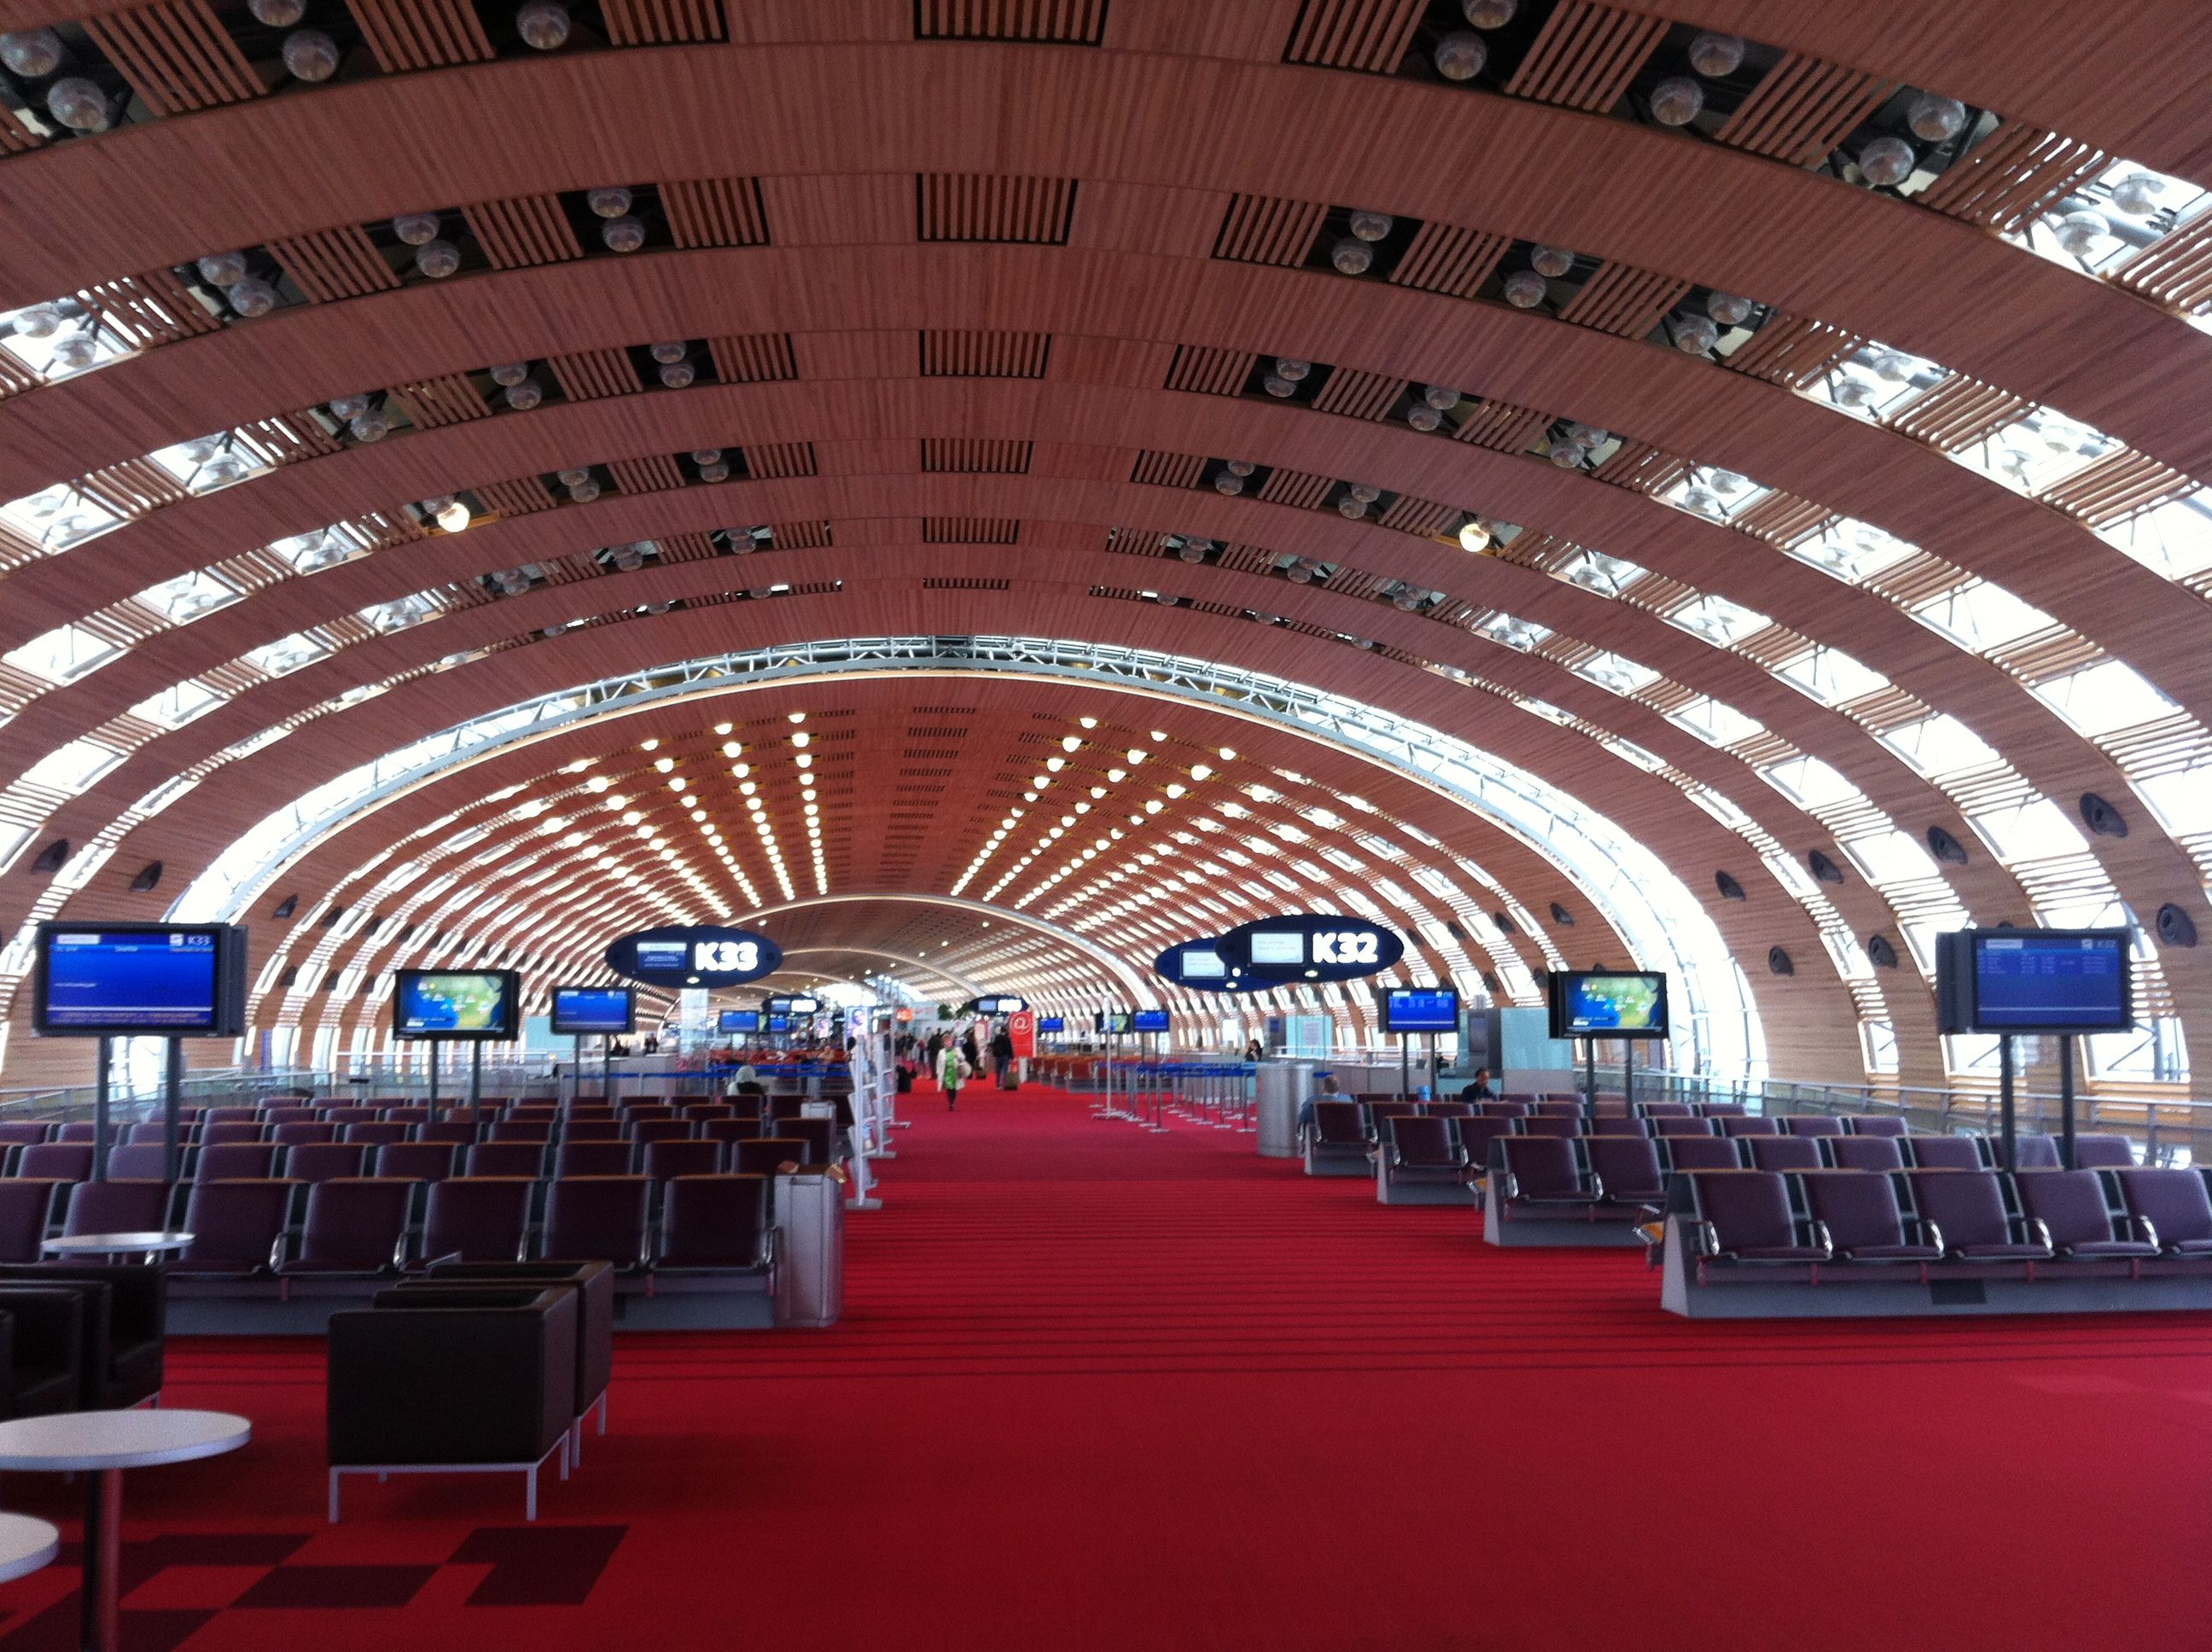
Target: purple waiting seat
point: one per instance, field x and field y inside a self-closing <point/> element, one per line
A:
<point x="1628" y="1168"/>
<point x="1812" y="1124"/>
<point x="231" y="1116"/>
<point x="1702" y="1153"/>
<point x="653" y="1130"/>
<point x="1551" y="1109"/>
<point x="1784" y="1152"/>
<point x="299" y="1135"/>
<point x="596" y="1219"/>
<point x="665" y="1160"/>
<point x="713" y="1222"/>
<point x="1477" y="1133"/>
<point x="1744" y="1216"/>
<point x="2103" y="1153"/>
<point x="326" y="1161"/>
<point x="452" y="1133"/>
<point x="1864" y="1152"/>
<point x="1749" y="1126"/>
<point x="1722" y="1109"/>
<point x="114" y="1206"/>
<point x="732" y="1129"/>
<point x="236" y="1227"/>
<point x="1561" y="1125"/>
<point x="1617" y="1124"/>
<point x="591" y="1158"/>
<point x="1965" y="1210"/>
<point x="140" y="1161"/>
<point x="223" y="1135"/>
<point x="301" y="1114"/>
<point x="1339" y="1131"/>
<point x="2171" y="1208"/>
<point x="55" y="1161"/>
<point x="710" y="1110"/>
<point x="476" y="1220"/>
<point x="2067" y="1210"/>
<point x="1671" y="1125"/>
<point x="235" y="1161"/>
<point x="526" y="1159"/>
<point x="374" y="1133"/>
<point x="1877" y="1124"/>
<point x="415" y="1161"/>
<point x="1417" y="1149"/>
<point x="26" y="1208"/>
<point x="1856" y="1217"/>
<point x="2032" y="1150"/>
<point x="78" y="1132"/>
<point x="540" y="1132"/>
<point x="1449" y="1110"/>
<point x="407" y="1115"/>
<point x="1945" y="1153"/>
<point x="354" y="1225"/>
<point x="1503" y="1109"/>
<point x="591" y="1130"/>
<point x="342" y="1116"/>
<point x="187" y="1135"/>
<point x="1547" y="1171"/>
<point x="23" y="1134"/>
<point x="1667" y="1109"/>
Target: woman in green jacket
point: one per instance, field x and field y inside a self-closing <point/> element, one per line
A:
<point x="949" y="1068"/>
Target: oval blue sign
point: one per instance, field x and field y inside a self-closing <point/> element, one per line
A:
<point x="688" y="956"/>
<point x="1308" y="946"/>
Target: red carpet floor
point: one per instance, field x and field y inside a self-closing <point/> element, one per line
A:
<point x="1097" y="1388"/>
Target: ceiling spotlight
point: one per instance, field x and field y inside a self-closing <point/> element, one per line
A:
<point x="524" y="396"/>
<point x="2078" y="233"/>
<point x="1422" y="416"/>
<point x="77" y="104"/>
<point x="1677" y="100"/>
<point x="222" y="269"/>
<point x="1714" y="55"/>
<point x="608" y="201"/>
<point x="1488" y="14"/>
<point x="1886" y="162"/>
<point x="1352" y="256"/>
<point x="2136" y="195"/>
<point x="1461" y="56"/>
<point x="1475" y="537"/>
<point x="1551" y="261"/>
<point x="40" y="321"/>
<point x="622" y="234"/>
<point x="543" y="25"/>
<point x="1728" y="309"/>
<point x="1935" y="119"/>
<point x="1226" y="484"/>
<point x="310" y="54"/>
<point x="1567" y="455"/>
<point x="417" y="229"/>
<point x="33" y="53"/>
<point x="437" y="259"/>
<point x="1695" y="334"/>
<point x="373" y="425"/>
<point x="1275" y="385"/>
<point x="453" y="515"/>
<point x="1524" y="289"/>
<point x="676" y="374"/>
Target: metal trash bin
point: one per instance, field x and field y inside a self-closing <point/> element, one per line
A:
<point x="1283" y="1086"/>
<point x="810" y="1247"/>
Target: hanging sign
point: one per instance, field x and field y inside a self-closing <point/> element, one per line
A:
<point x="687" y="956"/>
<point x="1308" y="946"/>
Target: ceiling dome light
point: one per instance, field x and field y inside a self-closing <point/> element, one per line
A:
<point x="311" y="55"/>
<point x="1728" y="309"/>
<point x="415" y="228"/>
<point x="675" y="351"/>
<point x="77" y="104"/>
<point x="584" y="492"/>
<point x="543" y="25"/>
<point x="1461" y="56"/>
<point x="1370" y="226"/>
<point x="524" y="396"/>
<point x="622" y="234"/>
<point x="608" y="201"/>
<point x="1352" y="256"/>
<point x="1241" y="467"/>
<point x="1589" y="435"/>
<point x="347" y="407"/>
<point x="453" y="515"/>
<point x="34" y="53"/>
<point x="1298" y="573"/>
<point x="1191" y="553"/>
<point x="222" y="269"/>
<point x="252" y="297"/>
<point x="1677" y="100"/>
<point x="510" y="373"/>
<point x="1568" y="455"/>
<point x="705" y="455"/>
<point x="1488" y="14"/>
<point x="1350" y="508"/>
<point x="2078" y="233"/>
<point x="1852" y="392"/>
<point x="1227" y="483"/>
<point x="278" y="13"/>
<point x="73" y="351"/>
<point x="570" y="478"/>
<point x="1895" y="368"/>
<point x="1524" y="289"/>
<point x="1695" y="334"/>
<point x="1704" y="500"/>
<point x="371" y="425"/>
<point x="40" y="321"/>
<point x="1406" y="601"/>
<point x="1888" y="161"/>
<point x="1934" y="119"/>
<point x="1442" y="397"/>
<point x="1551" y="260"/>
<point x="437" y="259"/>
<point x="1714" y="55"/>
<point x="716" y="471"/>
<point x="1422" y="416"/>
<point x="2136" y="195"/>
<point x="1275" y="385"/>
<point x="676" y="374"/>
<point x="1473" y="537"/>
<point x="1364" y="494"/>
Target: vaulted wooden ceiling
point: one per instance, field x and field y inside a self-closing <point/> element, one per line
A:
<point x="1832" y="534"/>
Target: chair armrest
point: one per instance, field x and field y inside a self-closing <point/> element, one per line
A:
<point x="2144" y="1226"/>
<point x="1930" y="1233"/>
<point x="2041" y="1231"/>
<point x="1822" y="1238"/>
<point x="1597" y="1186"/>
<point x="1709" y="1240"/>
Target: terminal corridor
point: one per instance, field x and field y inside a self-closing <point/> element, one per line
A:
<point x="1099" y="1388"/>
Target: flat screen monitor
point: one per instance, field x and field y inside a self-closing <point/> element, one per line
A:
<point x="454" y="1003"/>
<point x="738" y="1020"/>
<point x="594" y="1011"/>
<point x="1420" y="1010"/>
<point x="779" y="1024"/>
<point x="165" y="980"/>
<point x="669" y="955"/>
<point x="1052" y="1024"/>
<point x="1608" y="1004"/>
<point x="1203" y="963"/>
<point x="1149" y="1021"/>
<point x="2036" y="980"/>
<point x="1114" y="1021"/>
<point x="1278" y="946"/>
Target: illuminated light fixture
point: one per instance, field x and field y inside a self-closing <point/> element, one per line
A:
<point x="796" y="717"/>
<point x="648" y="745"/>
<point x="1069" y="743"/>
<point x="1087" y="722"/>
<point x="731" y="748"/>
<point x="453" y="515"/>
<point x="1227" y="755"/>
<point x="664" y="764"/>
<point x="1200" y="772"/>
<point x="801" y="740"/>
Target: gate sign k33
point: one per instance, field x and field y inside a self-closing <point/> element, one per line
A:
<point x="1308" y="946"/>
<point x="685" y="956"/>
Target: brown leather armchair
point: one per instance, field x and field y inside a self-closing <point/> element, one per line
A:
<point x="595" y="1285"/>
<point x="124" y="1351"/>
<point x="454" y="1381"/>
<point x="41" y="1349"/>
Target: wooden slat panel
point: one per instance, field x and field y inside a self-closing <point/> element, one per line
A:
<point x="1503" y="426"/>
<point x="1359" y="395"/>
<point x="450" y="399"/>
<point x="15" y="376"/>
<point x="2117" y="487"/>
<point x="2013" y="176"/>
<point x="971" y="529"/>
<point x="1959" y="412"/>
<point x="1792" y="351"/>
<point x="1209" y="372"/>
<point x="175" y="56"/>
<point x="516" y="498"/>
<point x="1623" y="299"/>
<point x="977" y="453"/>
<point x="1783" y="519"/>
<point x="1269" y="229"/>
<point x="593" y="374"/>
<point x="1641" y="468"/>
<point x="800" y="536"/>
<point x="1802" y="109"/>
<point x="752" y="358"/>
<point x="2176" y="270"/>
<point x="1070" y="21"/>
<point x="655" y="474"/>
<point x="133" y="488"/>
<point x="662" y="23"/>
<point x="287" y="438"/>
<point x="715" y="212"/>
<point x="961" y="354"/>
<point x="334" y="264"/>
<point x="1370" y="36"/>
<point x="408" y="35"/>
<point x="525" y="230"/>
<point x="1585" y="56"/>
<point x="780" y="458"/>
<point x="16" y="138"/>
<point x="989" y="207"/>
<point x="153" y="308"/>
<point x="1301" y="488"/>
<point x="1446" y="259"/>
<point x="1167" y="469"/>
<point x="1422" y="516"/>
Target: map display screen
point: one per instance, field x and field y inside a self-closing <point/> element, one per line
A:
<point x="1606" y="1004"/>
<point x="454" y="1004"/>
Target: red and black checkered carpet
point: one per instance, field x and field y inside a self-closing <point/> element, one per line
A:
<point x="1101" y="1389"/>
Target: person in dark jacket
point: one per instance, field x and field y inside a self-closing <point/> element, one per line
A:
<point x="970" y="1051"/>
<point x="1480" y="1090"/>
<point x="1002" y="1055"/>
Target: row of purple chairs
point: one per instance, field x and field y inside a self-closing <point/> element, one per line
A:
<point x="254" y="1230"/>
<point x="2132" y="1221"/>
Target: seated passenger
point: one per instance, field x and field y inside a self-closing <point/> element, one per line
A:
<point x="1480" y="1090"/>
<point x="1325" y="1090"/>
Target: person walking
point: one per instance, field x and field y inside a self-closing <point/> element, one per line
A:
<point x="969" y="1049"/>
<point x="1002" y="1058"/>
<point x="949" y="1072"/>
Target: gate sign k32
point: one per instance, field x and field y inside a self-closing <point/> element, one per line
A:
<point x="685" y="956"/>
<point x="1308" y="946"/>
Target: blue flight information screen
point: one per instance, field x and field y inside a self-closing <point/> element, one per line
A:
<point x="585" y="1011"/>
<point x="1414" y="1010"/>
<point x="1151" y="1021"/>
<point x="118" y="978"/>
<point x="2047" y="982"/>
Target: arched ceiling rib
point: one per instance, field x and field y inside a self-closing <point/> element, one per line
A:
<point x="836" y="134"/>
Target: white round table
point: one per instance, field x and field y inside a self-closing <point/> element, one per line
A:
<point x="100" y="1445"/>
<point x="25" y="1545"/>
<point x="117" y="1244"/>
